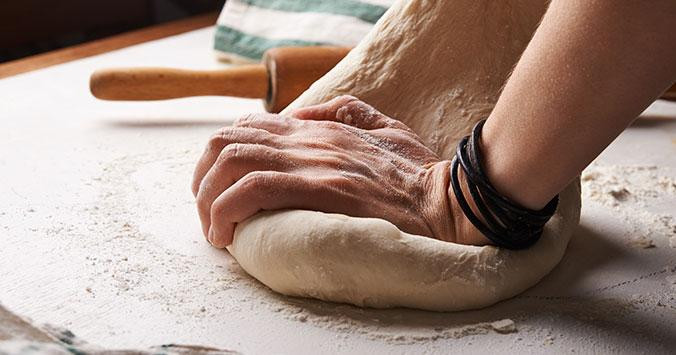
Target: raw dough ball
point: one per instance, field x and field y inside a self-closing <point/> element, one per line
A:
<point x="370" y="262"/>
<point x="438" y="66"/>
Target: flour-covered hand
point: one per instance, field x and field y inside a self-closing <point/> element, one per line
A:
<point x="342" y="157"/>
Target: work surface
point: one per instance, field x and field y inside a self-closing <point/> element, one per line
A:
<point x="99" y="234"/>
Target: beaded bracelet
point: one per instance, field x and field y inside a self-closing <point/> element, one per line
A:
<point x="507" y="224"/>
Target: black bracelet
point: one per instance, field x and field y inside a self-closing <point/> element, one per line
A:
<point x="507" y="224"/>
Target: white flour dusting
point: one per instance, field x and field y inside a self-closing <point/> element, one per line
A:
<point x="635" y="192"/>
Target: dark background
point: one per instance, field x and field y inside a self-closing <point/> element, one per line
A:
<point x="30" y="27"/>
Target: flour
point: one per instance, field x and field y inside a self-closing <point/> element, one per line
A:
<point x="613" y="185"/>
<point x="634" y="193"/>
<point x="414" y="327"/>
<point x="393" y="332"/>
<point x="642" y="242"/>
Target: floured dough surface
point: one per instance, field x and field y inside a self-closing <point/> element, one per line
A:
<point x="370" y="262"/>
<point x="438" y="66"/>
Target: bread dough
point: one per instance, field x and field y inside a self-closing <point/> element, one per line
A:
<point x="437" y="65"/>
<point x="370" y="262"/>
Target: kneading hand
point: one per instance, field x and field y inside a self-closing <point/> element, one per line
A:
<point x="342" y="156"/>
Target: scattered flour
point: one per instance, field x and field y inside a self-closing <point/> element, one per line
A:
<point x="635" y="193"/>
<point x="642" y="242"/>
<point x="671" y="281"/>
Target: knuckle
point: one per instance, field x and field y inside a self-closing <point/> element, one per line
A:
<point x="354" y="106"/>
<point x="342" y="182"/>
<point x="346" y="99"/>
<point x="246" y="120"/>
<point x="334" y="161"/>
<point x="289" y="122"/>
<point x="260" y="179"/>
<point x="202" y="202"/>
<point x="256" y="180"/>
<point x="329" y="125"/>
<point x="195" y="186"/>
<point x="392" y="132"/>
<point x="323" y="125"/>
<point x="396" y="124"/>
<point x="228" y="136"/>
<point x="349" y="111"/>
<point x="233" y="153"/>
<point x="358" y="112"/>
<point x="338" y="136"/>
<point x="218" y="209"/>
<point x="221" y="137"/>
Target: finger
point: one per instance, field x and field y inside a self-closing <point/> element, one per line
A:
<point x="222" y="138"/>
<point x="261" y="190"/>
<point x="235" y="161"/>
<point x="323" y="112"/>
<point x="351" y="111"/>
<point x="272" y="123"/>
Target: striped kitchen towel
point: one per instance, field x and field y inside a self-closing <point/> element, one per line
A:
<point x="247" y="28"/>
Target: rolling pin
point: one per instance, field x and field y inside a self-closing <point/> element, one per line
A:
<point x="285" y="73"/>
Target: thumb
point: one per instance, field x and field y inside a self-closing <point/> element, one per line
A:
<point x="323" y="112"/>
<point x="348" y="110"/>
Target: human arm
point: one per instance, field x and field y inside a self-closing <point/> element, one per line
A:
<point x="552" y="119"/>
<point x="591" y="68"/>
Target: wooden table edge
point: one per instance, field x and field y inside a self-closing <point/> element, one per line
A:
<point x="88" y="49"/>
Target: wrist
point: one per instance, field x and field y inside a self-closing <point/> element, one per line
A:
<point x="465" y="232"/>
<point x="506" y="223"/>
<point x="437" y="210"/>
<point x="446" y="219"/>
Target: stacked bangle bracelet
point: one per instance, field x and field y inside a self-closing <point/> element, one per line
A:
<point x="505" y="223"/>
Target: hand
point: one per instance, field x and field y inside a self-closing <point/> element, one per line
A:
<point x="342" y="157"/>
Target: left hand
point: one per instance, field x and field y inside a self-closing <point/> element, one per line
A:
<point x="342" y="157"/>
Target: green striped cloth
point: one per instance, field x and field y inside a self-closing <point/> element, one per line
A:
<point x="247" y="28"/>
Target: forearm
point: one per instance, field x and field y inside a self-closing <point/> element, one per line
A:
<point x="591" y="68"/>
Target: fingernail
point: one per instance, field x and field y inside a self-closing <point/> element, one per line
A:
<point x="210" y="236"/>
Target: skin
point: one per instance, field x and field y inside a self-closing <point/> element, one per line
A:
<point x="342" y="157"/>
<point x="592" y="67"/>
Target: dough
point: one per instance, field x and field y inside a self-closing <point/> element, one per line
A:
<point x="370" y="262"/>
<point x="437" y="65"/>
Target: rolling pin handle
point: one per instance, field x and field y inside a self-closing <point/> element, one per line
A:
<point x="250" y="81"/>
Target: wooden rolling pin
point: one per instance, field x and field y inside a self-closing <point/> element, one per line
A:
<point x="283" y="76"/>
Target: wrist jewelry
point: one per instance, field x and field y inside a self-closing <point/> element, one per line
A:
<point x="507" y="224"/>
